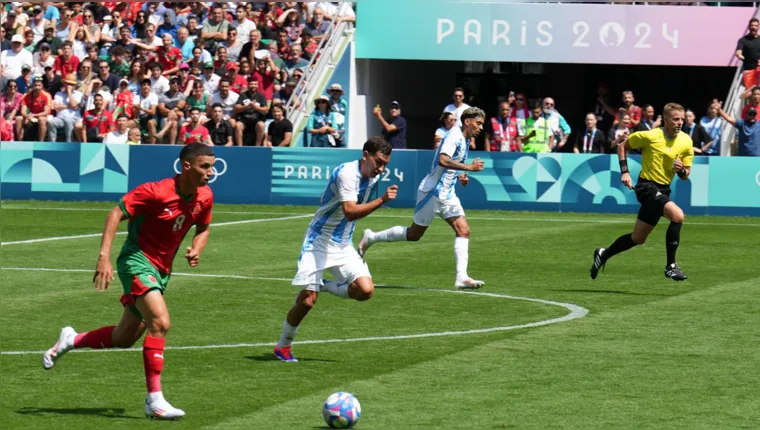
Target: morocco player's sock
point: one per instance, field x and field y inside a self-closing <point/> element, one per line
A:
<point x="672" y="239"/>
<point x="622" y="244"/>
<point x="393" y="234"/>
<point x="153" y="360"/>
<point x="336" y="289"/>
<point x="96" y="339"/>
<point x="462" y="255"/>
<point x="288" y="334"/>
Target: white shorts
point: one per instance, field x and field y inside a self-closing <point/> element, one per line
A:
<point x="429" y="206"/>
<point x="319" y="254"/>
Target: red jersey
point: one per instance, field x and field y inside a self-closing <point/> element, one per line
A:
<point x="159" y="219"/>
<point x="168" y="59"/>
<point x="103" y="123"/>
<point x="266" y="84"/>
<point x="37" y="104"/>
<point x="240" y="85"/>
<point x="66" y="67"/>
<point x="198" y="134"/>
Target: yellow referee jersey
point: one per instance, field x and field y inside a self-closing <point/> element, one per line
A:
<point x="659" y="152"/>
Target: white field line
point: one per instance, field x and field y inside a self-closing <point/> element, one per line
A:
<point x="478" y="218"/>
<point x="576" y="312"/>
<point x="219" y="224"/>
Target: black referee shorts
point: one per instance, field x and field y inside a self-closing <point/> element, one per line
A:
<point x="653" y="198"/>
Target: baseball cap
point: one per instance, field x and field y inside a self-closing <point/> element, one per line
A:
<point x="108" y="18"/>
<point x="17" y="38"/>
<point x="395" y="103"/>
<point x="124" y="81"/>
<point x="44" y="45"/>
<point x="184" y="66"/>
<point x="335" y="87"/>
<point x="25" y="67"/>
<point x="252" y="78"/>
<point x="37" y="9"/>
<point x="208" y="65"/>
<point x="12" y="14"/>
<point x="48" y="67"/>
<point x="232" y="65"/>
<point x="175" y="78"/>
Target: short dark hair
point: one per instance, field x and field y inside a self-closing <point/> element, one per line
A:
<point x="194" y="150"/>
<point x="755" y="88"/>
<point x="118" y="50"/>
<point x="155" y="64"/>
<point x="97" y="95"/>
<point x="146" y="81"/>
<point x="281" y="107"/>
<point x="472" y="112"/>
<point x="67" y="43"/>
<point x="377" y="144"/>
<point x="459" y="89"/>
<point x="754" y="20"/>
<point x="225" y="80"/>
<point x="217" y="105"/>
<point x="194" y="108"/>
<point x="123" y="115"/>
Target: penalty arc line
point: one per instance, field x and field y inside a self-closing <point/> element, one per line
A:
<point x="121" y="233"/>
<point x="576" y="312"/>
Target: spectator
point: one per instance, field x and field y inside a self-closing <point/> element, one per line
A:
<point x="120" y="135"/>
<point x="84" y="75"/>
<point x="290" y="20"/>
<point x="150" y="36"/>
<point x="43" y="58"/>
<point x="97" y="122"/>
<point x="339" y="105"/>
<point x="10" y="101"/>
<point x="286" y="92"/>
<point x="318" y="26"/>
<point x="145" y="105"/>
<point x="194" y="131"/>
<point x="233" y="45"/>
<point x="520" y="111"/>
<point x="171" y="106"/>
<point x="754" y="95"/>
<point x="592" y="140"/>
<point x="620" y="131"/>
<point x="458" y="106"/>
<point x="251" y="110"/>
<point x="254" y="44"/>
<point x="748" y="132"/>
<point x="66" y="104"/>
<point x="713" y="125"/>
<point x="699" y="137"/>
<point x="535" y="133"/>
<point x="266" y="73"/>
<point x="280" y="130"/>
<point x="647" y="119"/>
<point x="557" y="125"/>
<point x="66" y="63"/>
<point x="239" y="82"/>
<point x="136" y="75"/>
<point x="29" y="41"/>
<point x="243" y="25"/>
<point x="24" y="81"/>
<point x="394" y="131"/>
<point x="51" y="82"/>
<point x="135" y="136"/>
<point x="198" y="98"/>
<point x="220" y="129"/>
<point x="36" y="106"/>
<point x="66" y="26"/>
<point x="308" y="44"/>
<point x="604" y="118"/>
<point x="215" y="29"/>
<point x="184" y="43"/>
<point x="36" y="26"/>
<point x="748" y="51"/>
<point x="221" y="63"/>
<point x="447" y="122"/>
<point x="158" y="83"/>
<point x="225" y="98"/>
<point x="501" y="132"/>
<point x="50" y="39"/>
<point x="634" y="111"/>
<point x="13" y="59"/>
<point x="108" y="79"/>
<point x="127" y="45"/>
<point x="321" y="126"/>
<point x="210" y="79"/>
<point x="96" y="88"/>
<point x="295" y="61"/>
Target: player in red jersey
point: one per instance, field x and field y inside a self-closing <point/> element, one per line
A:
<point x="160" y="214"/>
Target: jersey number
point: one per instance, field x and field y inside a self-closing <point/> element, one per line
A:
<point x="178" y="223"/>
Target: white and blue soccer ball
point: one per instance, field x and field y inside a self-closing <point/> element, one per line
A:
<point x="341" y="411"/>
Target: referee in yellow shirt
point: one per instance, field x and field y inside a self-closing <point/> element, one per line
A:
<point x="665" y="152"/>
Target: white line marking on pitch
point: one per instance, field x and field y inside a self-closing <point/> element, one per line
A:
<point x="478" y="218"/>
<point x="576" y="312"/>
<point x="121" y="233"/>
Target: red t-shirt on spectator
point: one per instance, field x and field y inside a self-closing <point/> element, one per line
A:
<point x="104" y="123"/>
<point x="266" y="84"/>
<point x="198" y="134"/>
<point x="746" y="109"/>
<point x="37" y="104"/>
<point x="240" y="85"/>
<point x="66" y="67"/>
<point x="635" y="113"/>
<point x="168" y="59"/>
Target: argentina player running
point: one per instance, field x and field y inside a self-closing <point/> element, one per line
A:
<point x="436" y="196"/>
<point x="328" y="243"/>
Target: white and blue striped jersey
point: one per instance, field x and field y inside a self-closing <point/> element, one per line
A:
<point x="440" y="180"/>
<point x="346" y="185"/>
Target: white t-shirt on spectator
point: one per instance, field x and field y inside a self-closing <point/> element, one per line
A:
<point x="39" y="67"/>
<point x="62" y="98"/>
<point x="12" y="61"/>
<point x="159" y="86"/>
<point x="107" y="100"/>
<point x="116" y="137"/>
<point x="228" y="104"/>
<point x="244" y="30"/>
<point x="211" y="85"/>
<point x="328" y="8"/>
<point x="146" y="103"/>
<point x="457" y="111"/>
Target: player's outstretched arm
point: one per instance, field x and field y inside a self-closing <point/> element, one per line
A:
<point x="354" y="211"/>
<point x="622" y="150"/>
<point x="446" y="161"/>
<point x="104" y="269"/>
<point x="200" y="240"/>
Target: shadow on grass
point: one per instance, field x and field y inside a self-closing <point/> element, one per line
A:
<point x="630" y="293"/>
<point x="270" y="357"/>
<point x="98" y="412"/>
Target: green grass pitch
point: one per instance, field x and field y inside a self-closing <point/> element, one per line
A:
<point x="650" y="353"/>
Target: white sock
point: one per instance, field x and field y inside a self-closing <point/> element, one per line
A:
<point x="152" y="397"/>
<point x="393" y="234"/>
<point x="461" y="254"/>
<point x="336" y="289"/>
<point x="288" y="334"/>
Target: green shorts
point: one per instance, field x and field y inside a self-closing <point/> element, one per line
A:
<point x="138" y="277"/>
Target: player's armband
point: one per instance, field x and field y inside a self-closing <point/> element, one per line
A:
<point x="624" y="166"/>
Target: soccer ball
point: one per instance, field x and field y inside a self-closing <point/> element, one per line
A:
<point x="341" y="411"/>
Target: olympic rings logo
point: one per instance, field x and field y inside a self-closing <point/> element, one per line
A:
<point x="215" y="172"/>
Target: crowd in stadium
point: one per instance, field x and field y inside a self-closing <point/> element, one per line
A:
<point x="157" y="72"/>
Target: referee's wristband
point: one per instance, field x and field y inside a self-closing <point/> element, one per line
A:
<point x="682" y="174"/>
<point x="623" y="166"/>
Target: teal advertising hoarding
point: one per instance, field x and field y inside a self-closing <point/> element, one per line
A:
<point x="549" y="32"/>
<point x="298" y="176"/>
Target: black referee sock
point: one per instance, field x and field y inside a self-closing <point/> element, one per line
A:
<point x="672" y="238"/>
<point x="622" y="244"/>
